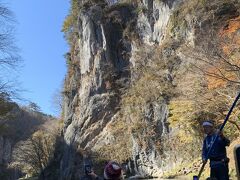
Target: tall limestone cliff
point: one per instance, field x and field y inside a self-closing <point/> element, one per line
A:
<point x="136" y="81"/>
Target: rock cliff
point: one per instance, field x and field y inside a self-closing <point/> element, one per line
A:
<point x="131" y="86"/>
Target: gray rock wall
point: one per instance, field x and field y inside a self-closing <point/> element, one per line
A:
<point x="105" y="68"/>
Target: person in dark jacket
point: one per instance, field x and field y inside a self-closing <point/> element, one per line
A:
<point x="112" y="171"/>
<point x="218" y="155"/>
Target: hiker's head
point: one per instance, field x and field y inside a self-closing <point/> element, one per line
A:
<point x="208" y="127"/>
<point x="113" y="171"/>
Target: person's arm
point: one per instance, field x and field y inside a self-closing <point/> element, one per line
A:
<point x="225" y="141"/>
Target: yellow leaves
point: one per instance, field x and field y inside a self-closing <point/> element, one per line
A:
<point x="181" y="119"/>
<point x="183" y="137"/>
<point x="180" y="112"/>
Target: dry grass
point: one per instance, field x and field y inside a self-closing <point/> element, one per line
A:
<point x="120" y="148"/>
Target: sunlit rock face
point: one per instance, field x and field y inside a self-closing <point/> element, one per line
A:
<point x="153" y="25"/>
<point x="120" y="50"/>
<point x="103" y="74"/>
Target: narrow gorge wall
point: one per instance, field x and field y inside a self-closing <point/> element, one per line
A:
<point x="127" y="78"/>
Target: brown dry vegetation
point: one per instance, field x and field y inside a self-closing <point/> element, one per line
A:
<point x="120" y="149"/>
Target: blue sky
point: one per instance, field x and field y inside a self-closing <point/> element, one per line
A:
<point x="42" y="46"/>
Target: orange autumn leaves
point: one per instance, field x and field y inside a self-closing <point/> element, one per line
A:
<point x="228" y="64"/>
<point x="230" y="35"/>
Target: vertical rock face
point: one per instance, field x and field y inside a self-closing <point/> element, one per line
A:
<point x="153" y="24"/>
<point x="127" y="62"/>
<point x="147" y="161"/>
<point x="101" y="75"/>
<point x="101" y="70"/>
